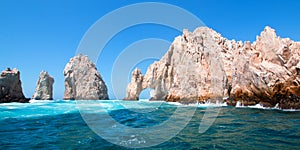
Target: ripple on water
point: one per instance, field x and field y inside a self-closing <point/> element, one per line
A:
<point x="59" y="125"/>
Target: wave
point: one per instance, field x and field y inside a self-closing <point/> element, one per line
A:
<point x="200" y="105"/>
<point x="37" y="108"/>
<point x="259" y="106"/>
<point x="51" y="101"/>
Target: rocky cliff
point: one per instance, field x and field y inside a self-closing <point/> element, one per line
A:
<point x="204" y="66"/>
<point x="10" y="87"/>
<point x="44" y="87"/>
<point x="83" y="81"/>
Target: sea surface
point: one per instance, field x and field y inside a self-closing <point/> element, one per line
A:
<point x="61" y="124"/>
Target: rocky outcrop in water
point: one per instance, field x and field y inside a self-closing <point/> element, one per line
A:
<point x="44" y="87"/>
<point x="204" y="66"/>
<point x="83" y="81"/>
<point x="10" y="87"/>
<point x="134" y="88"/>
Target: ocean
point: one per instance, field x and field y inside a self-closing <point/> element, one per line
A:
<point x="116" y="124"/>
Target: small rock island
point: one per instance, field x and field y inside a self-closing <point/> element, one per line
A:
<point x="11" y="87"/>
<point x="44" y="87"/>
<point x="83" y="81"/>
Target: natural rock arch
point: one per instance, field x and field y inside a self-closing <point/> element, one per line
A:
<point x="139" y="82"/>
<point x="202" y="65"/>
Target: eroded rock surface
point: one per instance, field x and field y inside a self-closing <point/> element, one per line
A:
<point x="11" y="87"/>
<point x="204" y="66"/>
<point x="83" y="81"/>
<point x="44" y="87"/>
<point x="135" y="86"/>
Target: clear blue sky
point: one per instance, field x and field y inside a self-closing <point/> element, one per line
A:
<point x="38" y="35"/>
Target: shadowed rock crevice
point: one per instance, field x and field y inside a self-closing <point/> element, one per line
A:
<point x="204" y="66"/>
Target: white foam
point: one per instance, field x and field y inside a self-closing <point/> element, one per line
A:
<point x="42" y="101"/>
<point x="13" y="103"/>
<point x="209" y="104"/>
<point x="291" y="109"/>
<point x="276" y="106"/>
<point x="206" y="104"/>
<point x="239" y="104"/>
<point x="258" y="106"/>
<point x="12" y="107"/>
<point x="144" y="100"/>
<point x="175" y="103"/>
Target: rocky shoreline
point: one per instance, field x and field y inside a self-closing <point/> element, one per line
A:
<point x="199" y="66"/>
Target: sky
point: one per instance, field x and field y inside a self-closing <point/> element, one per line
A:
<point x="40" y="35"/>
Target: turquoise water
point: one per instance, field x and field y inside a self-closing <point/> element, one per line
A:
<point x="60" y="125"/>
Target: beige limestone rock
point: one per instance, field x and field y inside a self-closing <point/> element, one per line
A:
<point x="44" y="87"/>
<point x="204" y="66"/>
<point x="135" y="86"/>
<point x="83" y="81"/>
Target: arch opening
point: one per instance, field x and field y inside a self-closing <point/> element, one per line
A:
<point x="146" y="94"/>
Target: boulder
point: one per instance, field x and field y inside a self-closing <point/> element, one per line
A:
<point x="44" y="87"/>
<point x="203" y="66"/>
<point x="11" y="87"/>
<point x="83" y="81"/>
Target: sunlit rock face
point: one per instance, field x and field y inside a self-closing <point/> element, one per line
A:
<point x="44" y="87"/>
<point x="135" y="86"/>
<point x="83" y="81"/>
<point x="204" y="66"/>
<point x="11" y="87"/>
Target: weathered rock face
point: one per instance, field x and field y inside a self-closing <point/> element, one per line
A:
<point x="202" y="65"/>
<point x="83" y="81"/>
<point x="10" y="87"/>
<point x="44" y="87"/>
<point x="135" y="86"/>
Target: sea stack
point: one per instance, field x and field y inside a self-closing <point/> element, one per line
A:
<point x="134" y="88"/>
<point x="11" y="87"/>
<point x="83" y="81"/>
<point x="204" y="66"/>
<point x="44" y="87"/>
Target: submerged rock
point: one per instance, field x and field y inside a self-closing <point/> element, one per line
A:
<point x="10" y="87"/>
<point x="44" y="87"/>
<point x="83" y="81"/>
<point x="203" y="66"/>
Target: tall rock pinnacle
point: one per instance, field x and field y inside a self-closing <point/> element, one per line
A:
<point x="83" y="81"/>
<point x="44" y="87"/>
<point x="11" y="87"/>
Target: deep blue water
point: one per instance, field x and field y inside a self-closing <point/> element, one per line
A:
<point x="59" y="125"/>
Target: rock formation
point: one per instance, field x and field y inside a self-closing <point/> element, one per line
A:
<point x="83" y="81"/>
<point x="10" y="87"/>
<point x="203" y="66"/>
<point x="135" y="86"/>
<point x="44" y="87"/>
